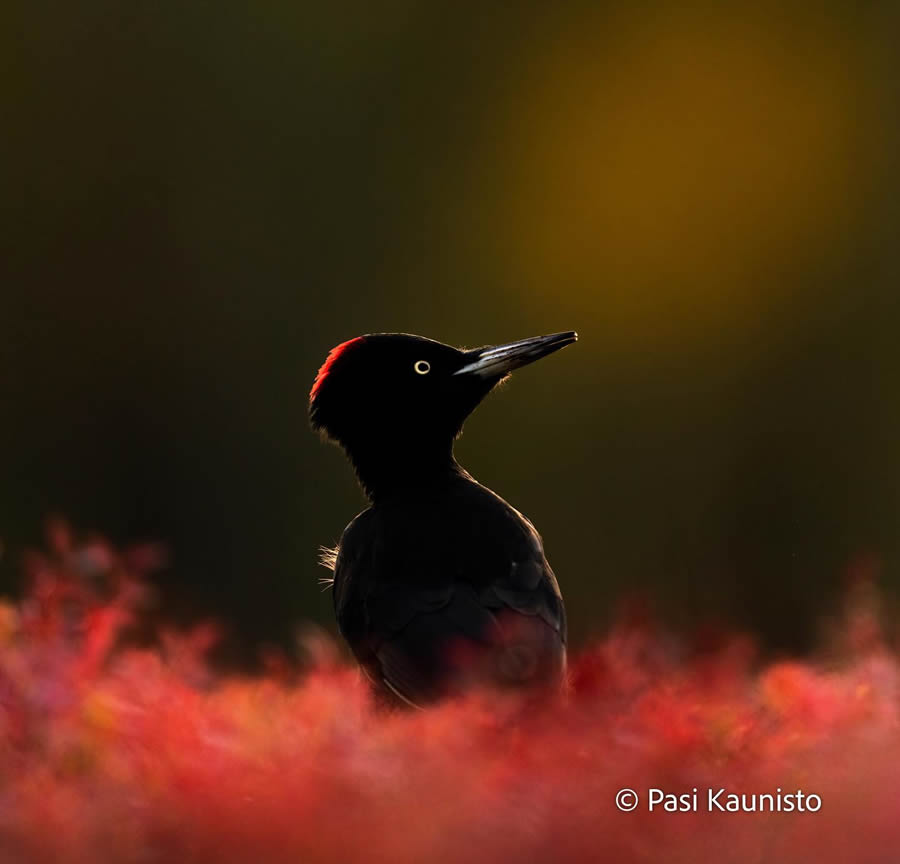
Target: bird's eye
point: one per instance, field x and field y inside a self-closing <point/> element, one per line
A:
<point x="422" y="367"/>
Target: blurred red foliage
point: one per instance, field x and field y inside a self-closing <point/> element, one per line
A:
<point x="111" y="752"/>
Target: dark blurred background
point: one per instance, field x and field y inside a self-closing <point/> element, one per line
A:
<point x="200" y="199"/>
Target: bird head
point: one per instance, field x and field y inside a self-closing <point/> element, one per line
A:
<point x="396" y="402"/>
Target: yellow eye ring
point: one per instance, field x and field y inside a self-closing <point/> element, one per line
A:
<point x="422" y="367"/>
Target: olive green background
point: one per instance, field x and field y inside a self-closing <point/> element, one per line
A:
<point x="200" y="199"/>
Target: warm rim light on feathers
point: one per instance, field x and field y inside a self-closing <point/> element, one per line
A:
<point x="330" y="360"/>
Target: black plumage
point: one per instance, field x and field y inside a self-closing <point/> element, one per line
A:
<point x="440" y="584"/>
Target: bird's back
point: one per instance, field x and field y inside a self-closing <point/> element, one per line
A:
<point x="447" y="589"/>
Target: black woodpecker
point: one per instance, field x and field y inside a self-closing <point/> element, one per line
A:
<point x="439" y="585"/>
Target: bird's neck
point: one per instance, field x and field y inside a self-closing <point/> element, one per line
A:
<point x="388" y="470"/>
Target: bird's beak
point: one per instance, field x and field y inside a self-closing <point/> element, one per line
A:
<point x="497" y="360"/>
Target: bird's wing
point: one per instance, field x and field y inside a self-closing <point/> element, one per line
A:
<point x="434" y="641"/>
<point x="529" y="588"/>
<point x="423" y="638"/>
<point x="429" y="641"/>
